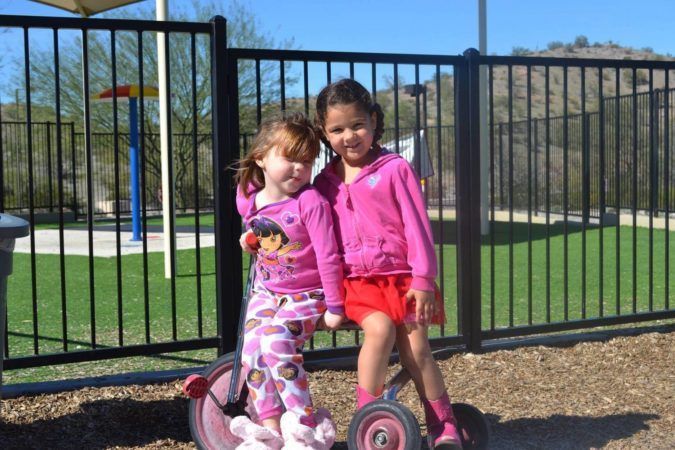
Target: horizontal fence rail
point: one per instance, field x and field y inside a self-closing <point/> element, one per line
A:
<point x="578" y="200"/>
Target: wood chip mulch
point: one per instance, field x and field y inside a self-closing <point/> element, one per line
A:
<point x="616" y="394"/>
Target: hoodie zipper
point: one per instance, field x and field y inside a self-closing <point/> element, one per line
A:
<point x="355" y="224"/>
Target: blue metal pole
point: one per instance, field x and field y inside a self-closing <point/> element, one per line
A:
<point x="133" y="168"/>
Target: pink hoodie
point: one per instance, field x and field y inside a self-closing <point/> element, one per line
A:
<point x="381" y="223"/>
<point x="310" y="261"/>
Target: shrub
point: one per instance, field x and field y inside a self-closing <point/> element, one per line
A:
<point x="581" y="41"/>
<point x="520" y="51"/>
<point x="554" y="45"/>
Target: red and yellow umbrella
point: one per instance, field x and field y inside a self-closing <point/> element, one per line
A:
<point x="127" y="91"/>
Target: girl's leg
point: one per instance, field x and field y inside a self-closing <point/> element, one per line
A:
<point x="281" y="345"/>
<point x="379" y="336"/>
<point x="416" y="356"/>
<point x="261" y="311"/>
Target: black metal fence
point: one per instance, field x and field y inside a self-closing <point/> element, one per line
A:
<point x="527" y="275"/>
<point x="583" y="149"/>
<point x="74" y="172"/>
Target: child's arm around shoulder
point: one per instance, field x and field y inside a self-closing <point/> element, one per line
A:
<point x="317" y="217"/>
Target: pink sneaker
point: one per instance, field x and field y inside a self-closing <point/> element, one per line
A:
<point x="300" y="435"/>
<point x="442" y="432"/>
<point x="254" y="436"/>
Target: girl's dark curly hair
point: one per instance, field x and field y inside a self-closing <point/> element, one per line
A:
<point x="347" y="92"/>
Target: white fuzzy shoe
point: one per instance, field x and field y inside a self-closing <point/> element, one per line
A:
<point x="255" y="437"/>
<point x="301" y="437"/>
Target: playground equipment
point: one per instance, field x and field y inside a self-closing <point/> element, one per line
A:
<point x="220" y="393"/>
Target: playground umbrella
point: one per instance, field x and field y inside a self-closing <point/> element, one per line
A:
<point x="131" y="92"/>
<point x="86" y="8"/>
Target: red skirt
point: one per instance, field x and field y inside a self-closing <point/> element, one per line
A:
<point x="385" y="293"/>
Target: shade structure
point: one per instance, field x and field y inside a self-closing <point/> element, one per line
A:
<point x="127" y="91"/>
<point x="86" y="8"/>
<point x="131" y="92"/>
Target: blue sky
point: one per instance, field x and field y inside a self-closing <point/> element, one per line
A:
<point x="446" y="26"/>
<point x="422" y="26"/>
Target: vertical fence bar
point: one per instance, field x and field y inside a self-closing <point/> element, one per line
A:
<point x="2" y="173"/>
<point x="617" y="193"/>
<point x="50" y="182"/>
<point x="73" y="157"/>
<point x="416" y="138"/>
<point x="305" y="86"/>
<point x="666" y="181"/>
<point x="31" y="200"/>
<point x="258" y="94"/>
<point x="492" y="198"/>
<point x="171" y="193"/>
<point x="536" y="166"/>
<point x="565" y="194"/>
<point x="224" y="88"/>
<point x="529" y="195"/>
<point x="116" y="149"/>
<point x="440" y="168"/>
<point x="90" y="183"/>
<point x="144" y="187"/>
<point x="195" y="175"/>
<point x="634" y="122"/>
<point x="603" y="200"/>
<point x="396" y="121"/>
<point x="510" y="144"/>
<point x="548" y="193"/>
<point x="467" y="173"/>
<point x="282" y="83"/>
<point x="59" y="158"/>
<point x="501" y="167"/>
<point x="585" y="189"/>
<point x="653" y="183"/>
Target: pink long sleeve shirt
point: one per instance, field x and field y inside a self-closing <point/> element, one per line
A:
<point x="298" y="251"/>
<point x="381" y="220"/>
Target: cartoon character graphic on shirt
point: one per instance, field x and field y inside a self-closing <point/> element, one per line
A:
<point x="274" y="259"/>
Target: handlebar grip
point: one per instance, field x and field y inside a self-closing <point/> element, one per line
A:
<point x="252" y="241"/>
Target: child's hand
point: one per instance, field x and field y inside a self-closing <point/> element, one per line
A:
<point x="248" y="242"/>
<point x="424" y="305"/>
<point x="332" y="321"/>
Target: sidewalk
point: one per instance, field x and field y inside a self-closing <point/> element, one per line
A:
<point x="104" y="243"/>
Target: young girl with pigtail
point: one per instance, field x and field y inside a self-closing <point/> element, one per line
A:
<point x="299" y="279"/>
<point x="384" y="236"/>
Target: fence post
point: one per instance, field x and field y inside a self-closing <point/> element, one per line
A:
<point x="467" y="173"/>
<point x="225" y="152"/>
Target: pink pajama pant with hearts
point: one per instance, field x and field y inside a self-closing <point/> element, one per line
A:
<point x="276" y="328"/>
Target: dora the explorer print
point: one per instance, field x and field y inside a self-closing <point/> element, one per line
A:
<point x="275" y="256"/>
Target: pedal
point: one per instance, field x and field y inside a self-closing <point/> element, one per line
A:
<point x="195" y="386"/>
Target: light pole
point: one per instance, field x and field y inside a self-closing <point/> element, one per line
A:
<point x="482" y="114"/>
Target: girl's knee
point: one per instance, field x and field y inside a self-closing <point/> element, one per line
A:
<point x="378" y="327"/>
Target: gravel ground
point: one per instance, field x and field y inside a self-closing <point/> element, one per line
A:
<point x="615" y="394"/>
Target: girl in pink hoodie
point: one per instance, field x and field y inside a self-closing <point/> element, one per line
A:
<point x="384" y="236"/>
